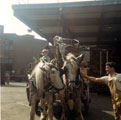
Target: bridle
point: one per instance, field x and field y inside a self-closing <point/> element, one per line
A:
<point x="48" y="84"/>
<point x="78" y="78"/>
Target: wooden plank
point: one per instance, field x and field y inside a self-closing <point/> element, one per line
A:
<point x="75" y="22"/>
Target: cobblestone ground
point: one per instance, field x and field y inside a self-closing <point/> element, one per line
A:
<point x="14" y="104"/>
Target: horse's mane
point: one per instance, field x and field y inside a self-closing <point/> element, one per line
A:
<point x="70" y="56"/>
<point x="41" y="64"/>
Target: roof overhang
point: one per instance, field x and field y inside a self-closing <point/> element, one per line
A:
<point x="92" y="22"/>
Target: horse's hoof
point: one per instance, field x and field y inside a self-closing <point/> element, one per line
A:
<point x="43" y="119"/>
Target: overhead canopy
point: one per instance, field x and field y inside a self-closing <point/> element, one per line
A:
<point x="92" y="22"/>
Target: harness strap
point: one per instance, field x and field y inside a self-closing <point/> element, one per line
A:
<point x="72" y="81"/>
<point x="49" y="86"/>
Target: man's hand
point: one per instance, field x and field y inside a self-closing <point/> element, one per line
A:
<point x="93" y="79"/>
<point x="86" y="80"/>
<point x="84" y="75"/>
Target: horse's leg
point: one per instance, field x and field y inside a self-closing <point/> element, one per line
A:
<point x="50" y="106"/>
<point x="63" y="116"/>
<point x="79" y="108"/>
<point x="43" y="106"/>
<point x="33" y="107"/>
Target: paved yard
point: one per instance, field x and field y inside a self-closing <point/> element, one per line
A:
<point x="14" y="104"/>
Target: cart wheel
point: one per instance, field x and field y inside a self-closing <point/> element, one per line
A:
<point x="57" y="109"/>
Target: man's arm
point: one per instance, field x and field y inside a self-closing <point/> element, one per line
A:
<point x="93" y="79"/>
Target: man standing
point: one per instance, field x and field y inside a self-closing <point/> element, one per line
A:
<point x="7" y="75"/>
<point x="113" y="80"/>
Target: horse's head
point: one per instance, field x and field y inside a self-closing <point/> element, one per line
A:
<point x="45" y="73"/>
<point x="52" y="74"/>
<point x="71" y="67"/>
<point x="55" y="78"/>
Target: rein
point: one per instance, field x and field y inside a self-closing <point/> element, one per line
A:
<point x="79" y="79"/>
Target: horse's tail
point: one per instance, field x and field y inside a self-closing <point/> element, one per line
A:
<point x="30" y="76"/>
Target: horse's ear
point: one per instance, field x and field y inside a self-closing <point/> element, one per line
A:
<point x="53" y="61"/>
<point x="80" y="58"/>
<point x="43" y="69"/>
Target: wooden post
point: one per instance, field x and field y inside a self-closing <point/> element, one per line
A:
<point x="107" y="56"/>
<point x="100" y="62"/>
<point x="59" y="58"/>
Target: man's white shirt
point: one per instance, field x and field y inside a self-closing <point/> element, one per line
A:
<point x="116" y="77"/>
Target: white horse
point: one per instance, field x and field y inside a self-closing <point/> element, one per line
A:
<point x="73" y="82"/>
<point x="47" y="78"/>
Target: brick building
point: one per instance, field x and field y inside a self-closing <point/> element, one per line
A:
<point x="2" y="56"/>
<point x="18" y="51"/>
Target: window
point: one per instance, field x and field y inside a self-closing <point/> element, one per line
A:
<point x="8" y="45"/>
<point x="8" y="60"/>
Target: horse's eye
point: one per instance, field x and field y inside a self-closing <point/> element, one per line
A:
<point x="53" y="72"/>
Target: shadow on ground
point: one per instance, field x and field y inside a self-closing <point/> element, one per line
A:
<point x="13" y="84"/>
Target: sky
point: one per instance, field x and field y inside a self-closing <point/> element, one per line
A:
<point x="11" y="23"/>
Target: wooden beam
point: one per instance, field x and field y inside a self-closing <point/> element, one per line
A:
<point x="75" y="22"/>
<point x="106" y="34"/>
